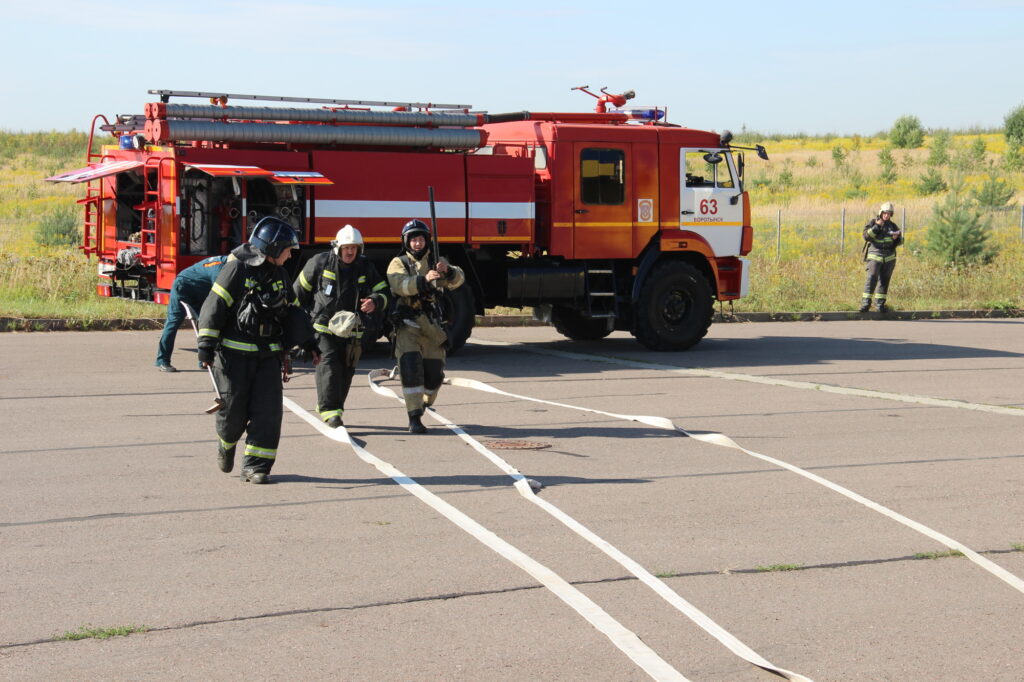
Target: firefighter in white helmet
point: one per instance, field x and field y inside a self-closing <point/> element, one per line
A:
<point x="418" y="277"/>
<point x="345" y="296"/>
<point x="881" y="237"/>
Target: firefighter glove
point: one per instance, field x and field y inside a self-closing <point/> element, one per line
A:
<point x="206" y="355"/>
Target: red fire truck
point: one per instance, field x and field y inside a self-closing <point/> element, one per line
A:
<point x="611" y="220"/>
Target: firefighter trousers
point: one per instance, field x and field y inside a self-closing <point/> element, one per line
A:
<point x="193" y="293"/>
<point x="420" y="353"/>
<point x="338" y="360"/>
<point x="877" y="284"/>
<point x="252" y="392"/>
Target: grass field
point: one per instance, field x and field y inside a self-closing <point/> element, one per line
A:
<point x="803" y="260"/>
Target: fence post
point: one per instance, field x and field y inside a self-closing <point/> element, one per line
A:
<point x="904" y="224"/>
<point x="1022" y="222"/>
<point x="778" y="238"/>
<point x="842" y="232"/>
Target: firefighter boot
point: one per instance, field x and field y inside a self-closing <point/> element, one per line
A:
<point x="335" y="421"/>
<point x="226" y="457"/>
<point x="415" y="425"/>
<point x="865" y="305"/>
<point x="880" y="307"/>
<point x="250" y="475"/>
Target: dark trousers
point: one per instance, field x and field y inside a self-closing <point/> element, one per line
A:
<point x="251" y="388"/>
<point x="338" y="360"/>
<point x="877" y="284"/>
<point x="190" y="292"/>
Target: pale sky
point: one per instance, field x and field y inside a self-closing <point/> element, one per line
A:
<point x="774" y="67"/>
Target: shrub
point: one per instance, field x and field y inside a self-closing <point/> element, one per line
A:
<point x="1013" y="159"/>
<point x="59" y="227"/>
<point x="931" y="182"/>
<point x="888" y="164"/>
<point x="959" y="234"/>
<point x="994" y="193"/>
<point x="1014" y="129"/>
<point x="839" y="156"/>
<point x="907" y="133"/>
<point x="938" y="151"/>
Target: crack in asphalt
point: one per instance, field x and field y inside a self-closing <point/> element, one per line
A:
<point x="508" y="590"/>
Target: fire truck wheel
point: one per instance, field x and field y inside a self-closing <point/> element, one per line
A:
<point x="570" y="324"/>
<point x="461" y="317"/>
<point x="675" y="307"/>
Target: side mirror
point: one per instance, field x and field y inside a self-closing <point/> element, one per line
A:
<point x="713" y="158"/>
<point x="762" y="153"/>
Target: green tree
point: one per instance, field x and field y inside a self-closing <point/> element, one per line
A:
<point x="59" y="227"/>
<point x="907" y="133"/>
<point x="839" y="154"/>
<point x="931" y="182"/>
<point x="1013" y="159"/>
<point x="1014" y="129"/>
<point x="888" y="163"/>
<point x="994" y="193"/>
<point x="959" y="233"/>
<point x="938" y="150"/>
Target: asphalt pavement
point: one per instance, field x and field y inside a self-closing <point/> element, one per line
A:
<point x="113" y="513"/>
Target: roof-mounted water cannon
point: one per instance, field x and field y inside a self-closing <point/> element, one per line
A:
<point x="606" y="98"/>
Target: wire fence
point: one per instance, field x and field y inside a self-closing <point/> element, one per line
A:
<point x="794" y="231"/>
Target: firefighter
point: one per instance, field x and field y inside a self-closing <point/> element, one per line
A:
<point x="192" y="285"/>
<point x="344" y="293"/>
<point x="881" y="236"/>
<point x="420" y="340"/>
<point x="248" y="322"/>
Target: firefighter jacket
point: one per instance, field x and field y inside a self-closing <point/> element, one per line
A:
<point x="251" y="309"/>
<point x="881" y="244"/>
<point x="408" y="281"/>
<point x="327" y="286"/>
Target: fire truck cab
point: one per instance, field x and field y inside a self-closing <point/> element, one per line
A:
<point x="612" y="220"/>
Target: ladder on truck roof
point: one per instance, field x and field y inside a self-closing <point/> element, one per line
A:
<point x="165" y="96"/>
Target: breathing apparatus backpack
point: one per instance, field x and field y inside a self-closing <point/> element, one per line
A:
<point x="261" y="313"/>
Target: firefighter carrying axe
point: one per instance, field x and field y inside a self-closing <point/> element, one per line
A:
<point x="218" y="403"/>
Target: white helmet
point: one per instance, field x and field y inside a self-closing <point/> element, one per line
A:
<point x="344" y="324"/>
<point x="887" y="207"/>
<point x="348" y="236"/>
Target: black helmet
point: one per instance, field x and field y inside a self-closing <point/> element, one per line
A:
<point x="272" y="236"/>
<point x="411" y="229"/>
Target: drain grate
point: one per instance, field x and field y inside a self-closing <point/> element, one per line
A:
<point x="516" y="445"/>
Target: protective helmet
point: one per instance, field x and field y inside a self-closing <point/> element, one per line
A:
<point x="412" y="229"/>
<point x="348" y="236"/>
<point x="887" y="207"/>
<point x="272" y="236"/>
<point x="343" y="324"/>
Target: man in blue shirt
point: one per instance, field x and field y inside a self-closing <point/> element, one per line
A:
<point x="192" y="285"/>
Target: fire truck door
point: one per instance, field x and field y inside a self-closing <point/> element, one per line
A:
<point x="603" y="201"/>
<point x="710" y="200"/>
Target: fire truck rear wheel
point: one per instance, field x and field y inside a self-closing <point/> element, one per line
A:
<point x="461" y="317"/>
<point x="570" y="324"/>
<point x="675" y="307"/>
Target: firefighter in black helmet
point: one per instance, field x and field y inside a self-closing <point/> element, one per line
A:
<point x="417" y="277"/>
<point x="248" y="322"/>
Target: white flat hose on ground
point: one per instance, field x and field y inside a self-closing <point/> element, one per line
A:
<point x="723" y="440"/>
<point x="521" y="484"/>
<point x="626" y="640"/>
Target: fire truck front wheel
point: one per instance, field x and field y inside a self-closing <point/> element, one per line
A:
<point x="674" y="308"/>
<point x="460" y="317"/>
<point x="570" y="324"/>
